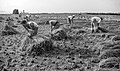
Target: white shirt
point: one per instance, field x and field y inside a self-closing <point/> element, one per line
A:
<point x="70" y="17"/>
<point x="96" y="19"/>
<point x="32" y="25"/>
<point x="53" y="22"/>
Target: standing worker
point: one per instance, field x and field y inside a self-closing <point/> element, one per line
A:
<point x="70" y="19"/>
<point x="95" y="23"/>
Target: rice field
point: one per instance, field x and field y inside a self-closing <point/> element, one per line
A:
<point x="84" y="51"/>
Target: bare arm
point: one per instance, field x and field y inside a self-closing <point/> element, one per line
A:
<point x="26" y="28"/>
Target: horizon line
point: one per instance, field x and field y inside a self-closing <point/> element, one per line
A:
<point x="10" y="12"/>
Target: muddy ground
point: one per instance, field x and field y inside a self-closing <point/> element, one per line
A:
<point x="84" y="51"/>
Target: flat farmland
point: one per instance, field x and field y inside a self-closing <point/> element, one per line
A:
<point x="83" y="52"/>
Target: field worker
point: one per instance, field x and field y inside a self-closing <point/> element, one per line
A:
<point x="70" y="19"/>
<point x="65" y="27"/>
<point x="95" y="23"/>
<point x="27" y="17"/>
<point x="54" y="24"/>
<point x="31" y="27"/>
<point x="61" y="33"/>
<point x="62" y="30"/>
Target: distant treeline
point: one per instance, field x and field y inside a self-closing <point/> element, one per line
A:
<point x="70" y="14"/>
<point x="78" y="13"/>
<point x="102" y="13"/>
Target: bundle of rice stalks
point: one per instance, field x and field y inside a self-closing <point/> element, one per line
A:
<point x="83" y="53"/>
<point x="110" y="53"/>
<point x="110" y="46"/>
<point x="5" y="33"/>
<point x="11" y="27"/>
<point x="9" y="31"/>
<point x="116" y="38"/>
<point x="60" y="35"/>
<point x="40" y="48"/>
<point x="107" y="46"/>
<point x="116" y="47"/>
<point x="103" y="30"/>
<point x="81" y="31"/>
<point x="112" y="62"/>
<point x="26" y="42"/>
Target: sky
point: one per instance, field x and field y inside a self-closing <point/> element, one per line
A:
<point x="60" y="6"/>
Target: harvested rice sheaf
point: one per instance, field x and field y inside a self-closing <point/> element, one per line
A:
<point x="116" y="47"/>
<point x="42" y="47"/>
<point x="59" y="35"/>
<point x="9" y="31"/>
<point x="112" y="62"/>
<point x="110" y="53"/>
<point x="4" y="33"/>
<point x="103" y="30"/>
<point x="110" y="46"/>
<point x="81" y="31"/>
<point x="116" y="38"/>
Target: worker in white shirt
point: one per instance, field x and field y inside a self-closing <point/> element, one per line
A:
<point x="54" y="24"/>
<point x="70" y="19"/>
<point x="95" y="23"/>
<point x="31" y="27"/>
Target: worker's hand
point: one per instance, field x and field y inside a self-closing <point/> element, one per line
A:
<point x="29" y="34"/>
<point x="54" y="31"/>
<point x="31" y="31"/>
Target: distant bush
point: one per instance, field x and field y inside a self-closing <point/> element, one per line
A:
<point x="15" y="11"/>
<point x="103" y="13"/>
